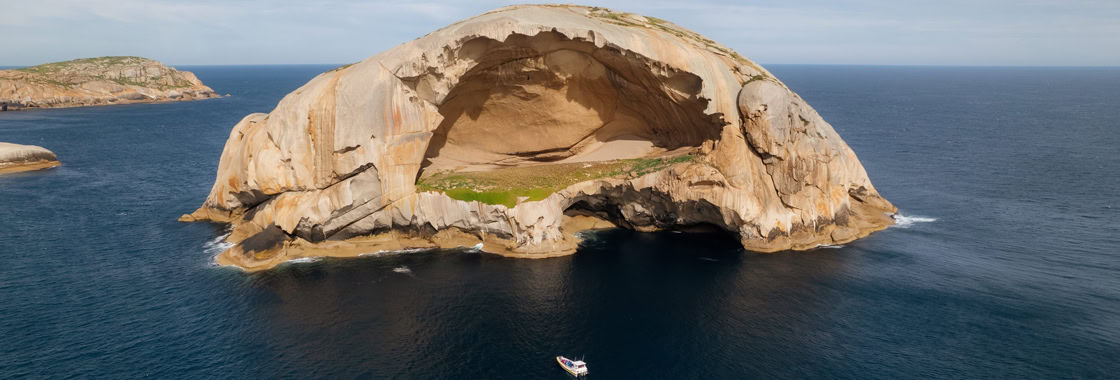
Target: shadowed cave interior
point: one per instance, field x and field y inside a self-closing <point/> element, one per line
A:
<point x="545" y="98"/>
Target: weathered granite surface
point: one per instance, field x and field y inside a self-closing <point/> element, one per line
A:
<point x="332" y="171"/>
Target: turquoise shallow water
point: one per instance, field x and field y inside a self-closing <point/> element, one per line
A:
<point x="1007" y="265"/>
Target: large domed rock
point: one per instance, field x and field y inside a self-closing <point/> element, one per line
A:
<point x="578" y="116"/>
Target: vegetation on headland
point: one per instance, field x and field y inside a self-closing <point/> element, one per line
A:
<point x="98" y="61"/>
<point x="74" y="72"/>
<point x="533" y="183"/>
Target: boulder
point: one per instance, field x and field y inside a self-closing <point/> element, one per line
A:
<point x="19" y="158"/>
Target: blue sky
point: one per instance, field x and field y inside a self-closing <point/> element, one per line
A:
<point x="945" y="32"/>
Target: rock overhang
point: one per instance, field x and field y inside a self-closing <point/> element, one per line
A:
<point x="340" y="157"/>
<point x="551" y="98"/>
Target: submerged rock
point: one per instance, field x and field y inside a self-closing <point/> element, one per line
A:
<point x="703" y="137"/>
<point x="97" y="81"/>
<point x="21" y="158"/>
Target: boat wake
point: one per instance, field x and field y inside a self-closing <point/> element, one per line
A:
<point x="906" y="221"/>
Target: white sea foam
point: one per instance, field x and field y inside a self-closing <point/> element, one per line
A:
<point x="906" y="221"/>
<point x="392" y="252"/>
<point x="476" y="248"/>
<point x="402" y="269"/>
<point x="216" y="246"/>
<point x="304" y="260"/>
<point x="829" y="246"/>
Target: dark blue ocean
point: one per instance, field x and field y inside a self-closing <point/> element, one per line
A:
<point x="1007" y="264"/>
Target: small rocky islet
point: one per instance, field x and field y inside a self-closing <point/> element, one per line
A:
<point x="16" y="158"/>
<point x="517" y="128"/>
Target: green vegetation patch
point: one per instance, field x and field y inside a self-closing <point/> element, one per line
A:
<point x="507" y="198"/>
<point x="505" y="186"/>
<point x="98" y="61"/>
<point x="756" y="77"/>
<point x="343" y="67"/>
<point x="70" y="73"/>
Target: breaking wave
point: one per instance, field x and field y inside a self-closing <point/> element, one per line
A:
<point x="393" y="252"/>
<point x="829" y="246"/>
<point x="216" y="246"/>
<point x="402" y="269"/>
<point x="303" y="260"/>
<point x="905" y="221"/>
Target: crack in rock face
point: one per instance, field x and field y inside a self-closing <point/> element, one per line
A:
<point x="697" y="136"/>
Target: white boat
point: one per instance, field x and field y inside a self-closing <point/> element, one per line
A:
<point x="574" y="367"/>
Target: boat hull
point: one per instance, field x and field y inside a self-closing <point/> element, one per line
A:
<point x="560" y="361"/>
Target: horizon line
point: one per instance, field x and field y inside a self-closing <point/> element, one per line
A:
<point x="760" y="63"/>
<point x="5" y="67"/>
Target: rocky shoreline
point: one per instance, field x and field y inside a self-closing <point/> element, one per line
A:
<point x="97" y="81"/>
<point x="108" y="101"/>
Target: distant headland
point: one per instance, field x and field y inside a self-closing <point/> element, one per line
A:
<point x="97" y="81"/>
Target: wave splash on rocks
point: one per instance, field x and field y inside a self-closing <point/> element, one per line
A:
<point x="907" y="221"/>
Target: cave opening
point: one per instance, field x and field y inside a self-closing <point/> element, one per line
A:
<point x="585" y="214"/>
<point x="534" y="100"/>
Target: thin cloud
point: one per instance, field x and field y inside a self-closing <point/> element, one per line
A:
<point x="336" y="31"/>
